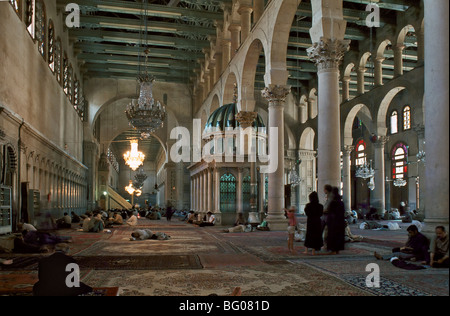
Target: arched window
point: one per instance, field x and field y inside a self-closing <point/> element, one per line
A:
<point x="16" y="5"/>
<point x="76" y="93"/>
<point x="30" y="17"/>
<point x="394" y="122"/>
<point x="51" y="46"/>
<point x="66" y="74"/>
<point x="40" y="26"/>
<point x="70" y="84"/>
<point x="400" y="161"/>
<point x="228" y="193"/>
<point x="57" y="57"/>
<point x="407" y="118"/>
<point x="361" y="156"/>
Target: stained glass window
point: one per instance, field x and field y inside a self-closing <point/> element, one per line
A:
<point x="16" y="5"/>
<point x="407" y="118"/>
<point x="399" y="161"/>
<point x="246" y="193"/>
<point x="40" y="25"/>
<point x="394" y="122"/>
<point x="228" y="193"/>
<point x="57" y="57"/>
<point x="360" y="153"/>
<point x="66" y="74"/>
<point x="29" y="17"/>
<point x="51" y="46"/>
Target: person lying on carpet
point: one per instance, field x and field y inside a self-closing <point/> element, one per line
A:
<point x="415" y="249"/>
<point x="144" y="234"/>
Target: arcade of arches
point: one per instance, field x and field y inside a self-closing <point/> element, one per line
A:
<point x="339" y="93"/>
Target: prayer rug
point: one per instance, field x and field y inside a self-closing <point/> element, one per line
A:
<point x="164" y="262"/>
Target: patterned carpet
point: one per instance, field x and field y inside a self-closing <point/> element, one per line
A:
<point x="203" y="261"/>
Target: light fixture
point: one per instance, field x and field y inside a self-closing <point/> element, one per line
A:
<point x="134" y="158"/>
<point x="294" y="177"/>
<point x="146" y="114"/>
<point x="400" y="182"/>
<point x="365" y="171"/>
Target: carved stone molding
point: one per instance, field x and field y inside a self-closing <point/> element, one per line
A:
<point x="328" y="54"/>
<point x="246" y="119"/>
<point x="348" y="150"/>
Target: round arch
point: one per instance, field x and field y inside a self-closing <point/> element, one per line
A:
<point x="249" y="73"/>
<point x="307" y="139"/>
<point x="350" y="118"/>
<point x="383" y="109"/>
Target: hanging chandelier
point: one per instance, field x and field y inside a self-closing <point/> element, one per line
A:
<point x="294" y="177"/>
<point x="134" y="158"/>
<point x="132" y="190"/>
<point x="146" y="114"/>
<point x="400" y="182"/>
<point x="139" y="179"/>
<point x="365" y="171"/>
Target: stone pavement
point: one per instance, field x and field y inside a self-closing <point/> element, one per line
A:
<point x="202" y="261"/>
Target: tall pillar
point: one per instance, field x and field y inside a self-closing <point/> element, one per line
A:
<point x="235" y="30"/>
<point x="246" y="21"/>
<point x="379" y="71"/>
<point x="258" y="10"/>
<point x="327" y="55"/>
<point x="436" y="112"/>
<point x="398" y="60"/>
<point x="204" y="191"/>
<point x="276" y="95"/>
<point x="347" y="177"/>
<point x="209" y="190"/>
<point x="212" y="75"/>
<point x="216" y="190"/>
<point x="379" y="194"/>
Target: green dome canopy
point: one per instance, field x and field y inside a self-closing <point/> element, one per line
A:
<point x="225" y="117"/>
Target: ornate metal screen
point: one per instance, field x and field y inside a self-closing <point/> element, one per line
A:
<point x="228" y="193"/>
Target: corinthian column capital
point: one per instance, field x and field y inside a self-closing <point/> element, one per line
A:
<point x="328" y="54"/>
<point x="246" y="119"/>
<point x="276" y="95"/>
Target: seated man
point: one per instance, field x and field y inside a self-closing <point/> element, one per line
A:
<point x="416" y="248"/>
<point x="439" y="249"/>
<point x="96" y="224"/>
<point x="64" y="222"/>
<point x="117" y="219"/>
<point x="133" y="220"/>
<point x="53" y="275"/>
<point x="210" y="220"/>
<point x="75" y="218"/>
<point x="191" y="217"/>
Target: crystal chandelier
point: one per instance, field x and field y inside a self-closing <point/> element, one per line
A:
<point x="365" y="171"/>
<point x="139" y="179"/>
<point x="134" y="158"/>
<point x="400" y="182"/>
<point x="132" y="190"/>
<point x="146" y="114"/>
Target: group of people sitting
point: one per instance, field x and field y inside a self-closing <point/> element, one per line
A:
<point x="197" y="219"/>
<point x="98" y="221"/>
<point x="419" y="248"/>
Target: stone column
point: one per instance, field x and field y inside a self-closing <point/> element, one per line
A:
<point x="219" y="61"/>
<point x="346" y="89"/>
<point x="276" y="95"/>
<point x="347" y="177"/>
<point x="246" y="21"/>
<point x="327" y="55"/>
<point x="246" y="120"/>
<point x="235" y="30"/>
<point x="379" y="71"/>
<point x="379" y="194"/>
<point x="361" y="72"/>
<point x="212" y="75"/>
<point x="192" y="195"/>
<point x="436" y="112"/>
<point x="205" y="191"/>
<point x="226" y="53"/>
<point x="209" y="189"/>
<point x="258" y="10"/>
<point x="216" y="190"/>
<point x="398" y="60"/>
<point x="262" y="194"/>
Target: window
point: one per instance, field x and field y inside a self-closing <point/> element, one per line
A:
<point x="228" y="193"/>
<point x="400" y="161"/>
<point x="51" y="46"/>
<point x="29" y="17"/>
<point x="407" y="118"/>
<point x="40" y="25"/>
<point x="16" y="5"/>
<point x="360" y="153"/>
<point x="57" y="57"/>
<point x="70" y="84"/>
<point x="394" y="122"/>
<point x="76" y="93"/>
<point x="66" y="74"/>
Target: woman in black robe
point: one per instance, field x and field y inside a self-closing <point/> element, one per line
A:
<point x="314" y="212"/>
<point x="336" y="224"/>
